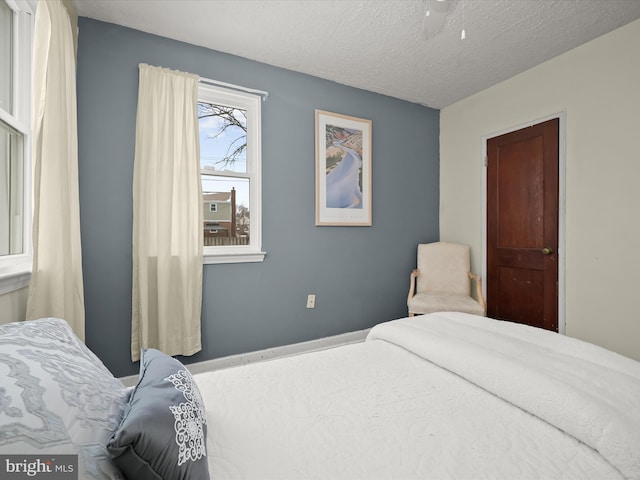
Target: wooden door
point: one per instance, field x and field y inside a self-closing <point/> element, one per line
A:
<point x="522" y="226"/>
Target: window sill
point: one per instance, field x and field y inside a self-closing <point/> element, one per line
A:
<point x="232" y="257"/>
<point x="15" y="277"/>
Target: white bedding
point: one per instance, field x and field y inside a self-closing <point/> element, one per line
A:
<point x="522" y="403"/>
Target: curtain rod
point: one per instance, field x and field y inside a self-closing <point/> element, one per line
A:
<point x="208" y="81"/>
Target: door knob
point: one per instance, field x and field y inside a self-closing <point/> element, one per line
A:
<point x="547" y="251"/>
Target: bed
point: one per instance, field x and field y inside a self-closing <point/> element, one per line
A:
<point x="438" y="396"/>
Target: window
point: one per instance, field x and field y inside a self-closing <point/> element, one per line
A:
<point x="230" y="163"/>
<point x="15" y="166"/>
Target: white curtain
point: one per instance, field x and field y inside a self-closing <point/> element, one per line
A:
<point x="56" y="288"/>
<point x="167" y="215"/>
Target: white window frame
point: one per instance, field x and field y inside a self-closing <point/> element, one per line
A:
<point x="213" y="207"/>
<point x="251" y="103"/>
<point x="15" y="270"/>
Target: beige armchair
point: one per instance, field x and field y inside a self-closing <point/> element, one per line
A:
<point x="442" y="281"/>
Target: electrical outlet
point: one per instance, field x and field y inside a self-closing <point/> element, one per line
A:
<point x="311" y="301"/>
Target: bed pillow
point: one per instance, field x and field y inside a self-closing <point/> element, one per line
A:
<point x="57" y="397"/>
<point x="163" y="432"/>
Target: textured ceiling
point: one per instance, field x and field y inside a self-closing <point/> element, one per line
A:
<point x="385" y="46"/>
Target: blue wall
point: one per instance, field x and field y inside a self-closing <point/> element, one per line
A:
<point x="360" y="275"/>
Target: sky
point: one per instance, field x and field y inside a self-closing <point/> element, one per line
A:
<point x="212" y="149"/>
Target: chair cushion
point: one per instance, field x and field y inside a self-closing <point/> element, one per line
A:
<point x="443" y="268"/>
<point x="444" y="302"/>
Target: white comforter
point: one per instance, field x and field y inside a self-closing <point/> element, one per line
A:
<point x="430" y="397"/>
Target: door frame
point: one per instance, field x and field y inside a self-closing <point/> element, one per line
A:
<point x="561" y="116"/>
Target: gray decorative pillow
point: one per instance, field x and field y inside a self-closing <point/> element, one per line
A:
<point x="57" y="397"/>
<point x="163" y="432"/>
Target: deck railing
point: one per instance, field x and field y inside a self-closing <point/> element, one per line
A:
<point x="225" y="241"/>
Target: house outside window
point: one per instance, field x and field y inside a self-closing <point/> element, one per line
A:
<point x="230" y="163"/>
<point x="16" y="23"/>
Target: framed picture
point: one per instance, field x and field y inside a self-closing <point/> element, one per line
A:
<point x="343" y="170"/>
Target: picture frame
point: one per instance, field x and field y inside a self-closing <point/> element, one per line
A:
<point x="343" y="170"/>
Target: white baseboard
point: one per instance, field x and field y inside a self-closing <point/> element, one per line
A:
<point x="267" y="354"/>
